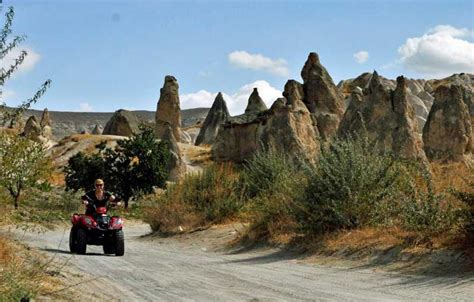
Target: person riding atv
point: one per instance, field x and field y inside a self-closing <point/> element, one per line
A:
<point x="96" y="226"/>
<point x="99" y="197"/>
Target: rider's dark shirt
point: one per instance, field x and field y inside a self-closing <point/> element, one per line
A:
<point x="90" y="196"/>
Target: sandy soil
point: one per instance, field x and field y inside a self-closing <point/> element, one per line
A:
<point x="191" y="268"/>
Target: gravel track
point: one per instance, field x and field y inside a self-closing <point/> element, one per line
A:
<point x="166" y="269"/>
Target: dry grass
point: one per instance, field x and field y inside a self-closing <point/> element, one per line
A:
<point x="370" y="239"/>
<point x="205" y="198"/>
<point x="199" y="155"/>
<point x="452" y="175"/>
<point x="9" y="131"/>
<point x="57" y="178"/>
<point x="172" y="217"/>
<point x="24" y="274"/>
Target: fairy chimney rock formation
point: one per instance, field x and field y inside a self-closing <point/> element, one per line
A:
<point x="386" y="117"/>
<point x="293" y="91"/>
<point x="45" y="125"/>
<point x="168" y="111"/>
<point x="177" y="167"/>
<point x="96" y="130"/>
<point x="32" y="129"/>
<point x="214" y="119"/>
<point x="448" y="132"/>
<point x="321" y="96"/>
<point x="45" y="120"/>
<point x="123" y="123"/>
<point x="286" y="127"/>
<point x="294" y="94"/>
<point x="255" y="104"/>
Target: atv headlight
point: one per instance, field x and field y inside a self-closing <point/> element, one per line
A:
<point x="88" y="220"/>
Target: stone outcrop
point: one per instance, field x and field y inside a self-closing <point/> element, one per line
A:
<point x="168" y="112"/>
<point x="45" y="125"/>
<point x="461" y="79"/>
<point x="177" y="167"/>
<point x="184" y="137"/>
<point x="255" y="103"/>
<point x="417" y="96"/>
<point x="286" y="127"/>
<point x="321" y="96"/>
<point x="45" y="119"/>
<point x="448" y="132"/>
<point x="32" y="129"/>
<point x="215" y="118"/>
<point x="123" y="123"/>
<point x="97" y="130"/>
<point x="387" y="117"/>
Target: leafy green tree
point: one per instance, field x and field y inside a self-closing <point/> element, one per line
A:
<point x="82" y="170"/>
<point x="11" y="116"/>
<point x="24" y="164"/>
<point x="135" y="166"/>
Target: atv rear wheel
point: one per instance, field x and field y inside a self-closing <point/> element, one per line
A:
<point x="72" y="239"/>
<point x="81" y="241"/>
<point x="119" y="243"/>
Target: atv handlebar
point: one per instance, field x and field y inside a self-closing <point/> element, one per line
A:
<point x="90" y="202"/>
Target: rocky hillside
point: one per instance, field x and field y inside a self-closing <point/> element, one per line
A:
<point x="68" y="123"/>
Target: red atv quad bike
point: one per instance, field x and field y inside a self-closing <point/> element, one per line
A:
<point x="97" y="229"/>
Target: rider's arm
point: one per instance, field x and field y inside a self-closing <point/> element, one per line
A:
<point x="114" y="199"/>
<point x="85" y="199"/>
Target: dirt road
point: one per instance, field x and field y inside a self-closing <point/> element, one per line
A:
<point x="166" y="269"/>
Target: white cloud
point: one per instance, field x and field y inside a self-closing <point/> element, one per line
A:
<point x="237" y="101"/>
<point x="204" y="74"/>
<point x="441" y="51"/>
<point x="202" y="98"/>
<point x="28" y="64"/>
<point x="243" y="59"/>
<point x="7" y="95"/>
<point x="361" y="56"/>
<point x="85" y="107"/>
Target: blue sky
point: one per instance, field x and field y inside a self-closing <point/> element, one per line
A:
<point x="106" y="55"/>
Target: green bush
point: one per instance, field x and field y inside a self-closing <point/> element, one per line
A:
<point x="213" y="192"/>
<point x="347" y="185"/>
<point x="211" y="196"/>
<point x="269" y="171"/>
<point x="273" y="184"/>
<point x="467" y="198"/>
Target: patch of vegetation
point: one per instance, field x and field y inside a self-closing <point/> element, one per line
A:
<point x="350" y="186"/>
<point x="24" y="165"/>
<point x="346" y="185"/>
<point x="42" y="209"/>
<point x="211" y="196"/>
<point x="23" y="275"/>
<point x="273" y="185"/>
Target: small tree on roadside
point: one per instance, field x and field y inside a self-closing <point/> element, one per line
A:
<point x="135" y="166"/>
<point x="23" y="165"/>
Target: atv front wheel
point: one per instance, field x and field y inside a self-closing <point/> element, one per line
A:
<point x="119" y="243"/>
<point x="72" y="239"/>
<point x="109" y="246"/>
<point x="81" y="241"/>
